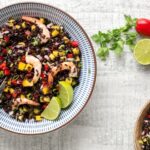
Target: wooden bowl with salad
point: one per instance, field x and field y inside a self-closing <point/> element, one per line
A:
<point x="142" y="129"/>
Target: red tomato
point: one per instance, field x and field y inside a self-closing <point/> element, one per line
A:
<point x="143" y="26"/>
<point x="3" y="65"/>
<point x="7" y="72"/>
<point x="14" y="82"/>
<point x="46" y="67"/>
<point x="6" y="38"/>
<point x="14" y="94"/>
<point x="74" y="43"/>
<point x="69" y="55"/>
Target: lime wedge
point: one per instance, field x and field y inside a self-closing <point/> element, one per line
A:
<point x="142" y="51"/>
<point x="52" y="111"/>
<point x="65" y="94"/>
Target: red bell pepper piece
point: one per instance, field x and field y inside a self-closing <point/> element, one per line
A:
<point x="74" y="43"/>
<point x="46" y="67"/>
<point x="6" y="72"/>
<point x="69" y="55"/>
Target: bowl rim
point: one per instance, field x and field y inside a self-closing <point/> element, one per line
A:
<point x="94" y="57"/>
<point x="137" y="124"/>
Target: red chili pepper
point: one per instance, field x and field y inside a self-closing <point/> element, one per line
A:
<point x="69" y="55"/>
<point x="6" y="72"/>
<point x="6" y="38"/>
<point x="143" y="26"/>
<point x="3" y="66"/>
<point x="4" y="51"/>
<point x="46" y="67"/>
<point x="23" y="58"/>
<point x="74" y="43"/>
<point x="14" y="82"/>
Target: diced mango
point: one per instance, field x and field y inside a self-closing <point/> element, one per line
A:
<point x="17" y="26"/>
<point x="62" y="53"/>
<point x="77" y="59"/>
<point x="38" y="118"/>
<point x="21" y="66"/>
<point x="22" y="96"/>
<point x="23" y="25"/>
<point x="55" y="33"/>
<point x="27" y="83"/>
<point x="11" y="90"/>
<point x="55" y="53"/>
<point x="51" y="56"/>
<point x="33" y="27"/>
<point x="6" y="89"/>
<point x="75" y="51"/>
<point x="28" y="67"/>
<point x="9" y="82"/>
<point x="56" y="27"/>
<point x="45" y="90"/>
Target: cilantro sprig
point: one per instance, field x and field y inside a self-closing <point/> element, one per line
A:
<point x="115" y="39"/>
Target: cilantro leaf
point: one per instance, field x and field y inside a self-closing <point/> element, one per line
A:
<point x="103" y="52"/>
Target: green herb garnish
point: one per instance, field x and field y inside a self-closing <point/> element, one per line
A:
<point x="115" y="39"/>
<point x="35" y="41"/>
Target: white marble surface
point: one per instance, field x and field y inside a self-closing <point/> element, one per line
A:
<point x="122" y="87"/>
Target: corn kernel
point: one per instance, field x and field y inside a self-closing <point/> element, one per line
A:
<point x="6" y="89"/>
<point x="33" y="27"/>
<point x="55" y="27"/>
<point x="55" y="53"/>
<point x="11" y="90"/>
<point x="23" y="25"/>
<point x="21" y="66"/>
<point x="75" y="51"/>
<point x="55" y="33"/>
<point x="38" y="118"/>
<point x="42" y="20"/>
<point x="17" y="26"/>
<point x="28" y="67"/>
<point x="51" y="56"/>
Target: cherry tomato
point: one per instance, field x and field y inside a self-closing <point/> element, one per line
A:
<point x="46" y="67"/>
<point x="3" y="66"/>
<point x="6" y="39"/>
<point x="6" y="72"/>
<point x="69" y="55"/>
<point x="74" y="43"/>
<point x="143" y="26"/>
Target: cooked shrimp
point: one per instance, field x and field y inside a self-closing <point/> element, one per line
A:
<point x="45" y="32"/>
<point x="63" y="66"/>
<point x="36" y="65"/>
<point x="22" y="101"/>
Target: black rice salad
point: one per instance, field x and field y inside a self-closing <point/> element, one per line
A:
<point x="145" y="135"/>
<point x="35" y="54"/>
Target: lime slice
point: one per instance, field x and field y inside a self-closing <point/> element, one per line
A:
<point x="52" y="111"/>
<point x="142" y="52"/>
<point x="65" y="94"/>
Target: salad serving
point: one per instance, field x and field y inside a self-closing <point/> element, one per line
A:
<point x="41" y="66"/>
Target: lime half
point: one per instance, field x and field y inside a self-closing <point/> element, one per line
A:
<point x="65" y="94"/>
<point x="52" y="111"/>
<point x="142" y="51"/>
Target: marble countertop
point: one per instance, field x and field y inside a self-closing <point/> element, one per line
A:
<point x="122" y="87"/>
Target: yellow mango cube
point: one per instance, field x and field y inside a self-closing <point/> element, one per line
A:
<point x="21" y="66"/>
<point x="27" y="83"/>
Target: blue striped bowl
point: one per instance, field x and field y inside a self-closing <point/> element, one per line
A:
<point x="88" y="73"/>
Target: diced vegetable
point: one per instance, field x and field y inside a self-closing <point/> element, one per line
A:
<point x="38" y="118"/>
<point x="66" y="40"/>
<point x="27" y="83"/>
<point x="75" y="51"/>
<point x="21" y="66"/>
<point x="28" y="67"/>
<point x="36" y="111"/>
<point x="1" y="74"/>
<point x="6" y="89"/>
<point x="6" y="72"/>
<point x="55" y="33"/>
<point x="74" y="43"/>
<point x="23" y="25"/>
<point x="42" y="20"/>
<point x="55" y="27"/>
<point x="46" y="99"/>
<point x="55" y="53"/>
<point x="22" y="96"/>
<point x="52" y="57"/>
<point x="33" y="27"/>
<point x="17" y="26"/>
<point x="45" y="90"/>
<point x="11" y="90"/>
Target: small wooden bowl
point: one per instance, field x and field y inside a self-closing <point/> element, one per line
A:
<point x="138" y="126"/>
